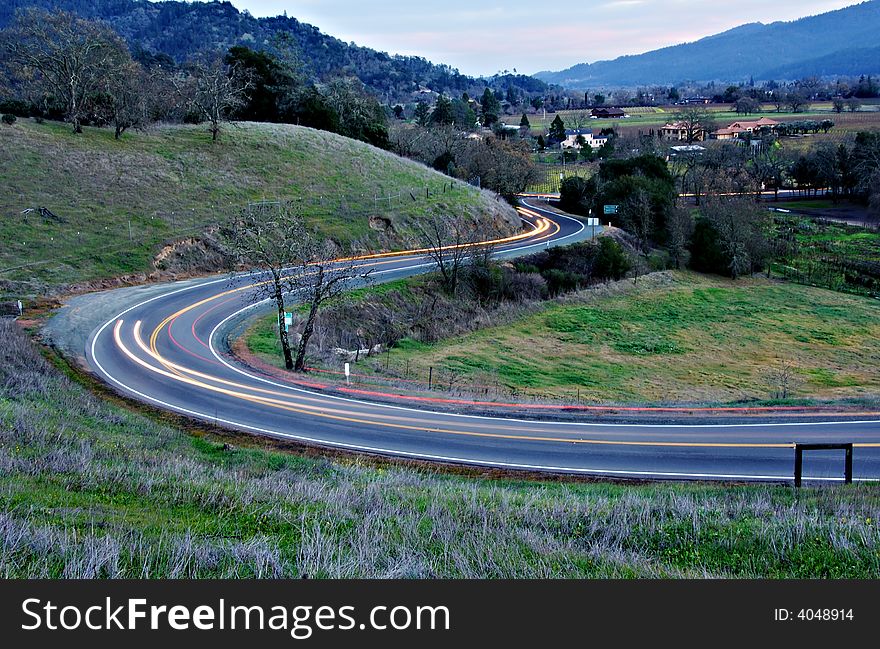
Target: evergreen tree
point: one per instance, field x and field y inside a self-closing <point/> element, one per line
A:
<point x="557" y="130"/>
<point x="491" y="108"/>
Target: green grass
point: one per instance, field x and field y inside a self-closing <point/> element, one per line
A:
<point x="689" y="339"/>
<point x="88" y="489"/>
<point x="121" y="201"/>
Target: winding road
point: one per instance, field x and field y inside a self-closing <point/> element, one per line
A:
<point x="168" y="348"/>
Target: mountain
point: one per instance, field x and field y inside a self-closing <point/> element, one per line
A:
<point x="183" y="29"/>
<point x="841" y="42"/>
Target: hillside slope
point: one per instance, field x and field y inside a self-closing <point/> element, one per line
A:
<point x="756" y="50"/>
<point x="184" y="29"/>
<point x="112" y="206"/>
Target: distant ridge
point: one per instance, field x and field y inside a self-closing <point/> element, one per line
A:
<point x="841" y="42"/>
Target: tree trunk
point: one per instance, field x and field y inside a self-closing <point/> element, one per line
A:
<point x="300" y="365"/>
<point x="282" y="330"/>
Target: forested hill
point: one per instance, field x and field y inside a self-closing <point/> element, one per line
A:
<point x="841" y="42"/>
<point x="182" y="29"/>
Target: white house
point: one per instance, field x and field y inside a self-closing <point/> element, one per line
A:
<point x="594" y="140"/>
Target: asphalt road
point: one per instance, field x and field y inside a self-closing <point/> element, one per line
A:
<point x="167" y="347"/>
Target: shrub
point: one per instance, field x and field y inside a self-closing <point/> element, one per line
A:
<point x="706" y="253"/>
<point x="9" y="118"/>
<point x="611" y="262"/>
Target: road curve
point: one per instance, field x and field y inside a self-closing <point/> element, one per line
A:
<point x="170" y="351"/>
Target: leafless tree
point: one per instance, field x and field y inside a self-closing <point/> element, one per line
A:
<point x="448" y="242"/>
<point x="680" y="229"/>
<point x="695" y="121"/>
<point x="213" y="90"/>
<point x="56" y="54"/>
<point x="637" y="215"/>
<point x="127" y="87"/>
<point x="782" y="379"/>
<point x="853" y="104"/>
<point x="838" y="104"/>
<point x="273" y="242"/>
<point x="747" y="106"/>
<point x="796" y="100"/>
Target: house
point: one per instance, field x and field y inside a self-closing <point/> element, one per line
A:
<point x="730" y="133"/>
<point x="740" y="130"/>
<point x="678" y="132"/>
<point x="694" y="100"/>
<point x="594" y="140"/>
<point x="607" y="113"/>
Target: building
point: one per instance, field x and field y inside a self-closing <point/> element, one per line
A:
<point x="744" y="129"/>
<point x="678" y="132"/>
<point x="729" y="133"/>
<point x="694" y="100"/>
<point x="594" y="140"/>
<point x="607" y="113"/>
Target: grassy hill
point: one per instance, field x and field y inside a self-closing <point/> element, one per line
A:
<point x="88" y="489"/>
<point x="674" y="337"/>
<point x="116" y="204"/>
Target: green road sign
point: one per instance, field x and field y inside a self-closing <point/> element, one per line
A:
<point x="611" y="209"/>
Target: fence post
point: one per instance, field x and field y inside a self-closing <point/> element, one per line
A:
<point x="430" y="376"/>
<point x="847" y="471"/>
<point x="798" y="464"/>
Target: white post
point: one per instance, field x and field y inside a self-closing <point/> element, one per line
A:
<point x="347" y="373"/>
<point x="20" y="308"/>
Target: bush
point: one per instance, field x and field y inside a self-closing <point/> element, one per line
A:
<point x="706" y="253"/>
<point x="9" y="118"/>
<point x="611" y="262"/>
<point x="577" y="195"/>
<point x="16" y="107"/>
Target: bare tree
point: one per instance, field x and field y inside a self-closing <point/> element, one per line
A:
<point x="127" y="87"/>
<point x="448" y="242"/>
<point x="274" y="243"/>
<point x="680" y="229"/>
<point x="747" y="105"/>
<point x="61" y="56"/>
<point x="796" y="101"/>
<point x="838" y="105"/>
<point x="213" y="90"/>
<point x="782" y="379"/>
<point x="853" y="104"/>
<point x="637" y="215"/>
<point x="695" y="121"/>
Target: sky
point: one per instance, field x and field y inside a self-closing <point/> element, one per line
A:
<point x="482" y="37"/>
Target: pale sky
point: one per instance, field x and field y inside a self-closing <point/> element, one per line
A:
<point x="482" y="37"/>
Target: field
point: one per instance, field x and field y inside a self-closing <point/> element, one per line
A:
<point x="672" y="338"/>
<point x="118" y="203"/>
<point x="646" y="118"/>
<point x="89" y="489"/>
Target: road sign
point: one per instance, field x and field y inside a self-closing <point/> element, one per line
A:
<point x="611" y="209"/>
